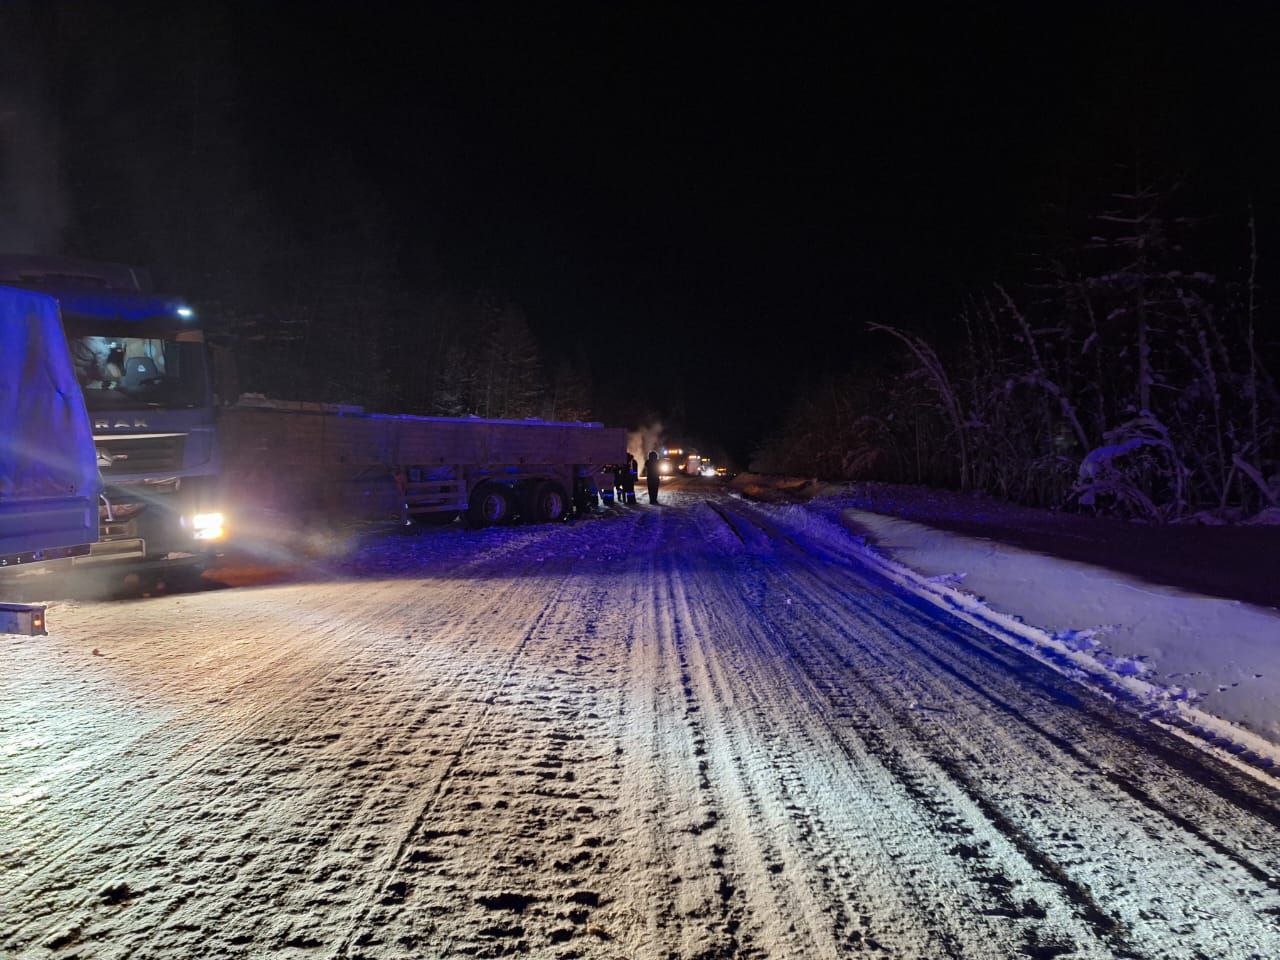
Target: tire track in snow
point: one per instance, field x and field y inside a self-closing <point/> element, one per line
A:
<point x="381" y="880"/>
<point x="673" y="859"/>
<point x="829" y="810"/>
<point x="538" y="791"/>
<point x="372" y="610"/>
<point x="549" y="811"/>
<point x="1052" y="757"/>
<point x="176" y="757"/>
<point x="161" y="614"/>
<point x="827" y="814"/>
<point x="394" y="866"/>
<point x="867" y="763"/>
<point x="958" y="656"/>
<point x="737" y="768"/>
<point x="951" y="818"/>
<point x="726" y="910"/>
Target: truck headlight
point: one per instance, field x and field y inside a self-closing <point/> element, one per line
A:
<point x="207" y="526"/>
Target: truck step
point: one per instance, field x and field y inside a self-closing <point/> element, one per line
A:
<point x="109" y="551"/>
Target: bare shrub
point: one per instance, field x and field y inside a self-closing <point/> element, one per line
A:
<point x="1124" y="380"/>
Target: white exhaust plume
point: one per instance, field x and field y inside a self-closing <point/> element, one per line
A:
<point x="644" y="439"/>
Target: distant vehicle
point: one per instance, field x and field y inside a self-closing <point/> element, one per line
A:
<point x="49" y="482"/>
<point x="140" y="363"/>
<point x="689" y="462"/>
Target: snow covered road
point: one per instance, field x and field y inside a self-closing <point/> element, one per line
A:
<point x="675" y="732"/>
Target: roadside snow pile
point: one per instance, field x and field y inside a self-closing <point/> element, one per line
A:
<point x="1207" y="666"/>
<point x="1236" y="561"/>
<point x="1269" y="517"/>
<point x="774" y="489"/>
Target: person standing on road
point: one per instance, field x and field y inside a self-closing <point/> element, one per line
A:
<point x="619" y="485"/>
<point x="605" y="485"/>
<point x="629" y="478"/>
<point x="651" y="475"/>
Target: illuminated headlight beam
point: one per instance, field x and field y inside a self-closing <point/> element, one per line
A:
<point x="207" y="526"/>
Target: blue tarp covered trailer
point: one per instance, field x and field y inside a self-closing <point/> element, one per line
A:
<point x="49" y="481"/>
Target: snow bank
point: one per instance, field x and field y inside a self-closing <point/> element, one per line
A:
<point x="772" y="488"/>
<point x="1206" y="666"/>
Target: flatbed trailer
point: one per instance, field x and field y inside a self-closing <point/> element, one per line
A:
<point x="310" y="459"/>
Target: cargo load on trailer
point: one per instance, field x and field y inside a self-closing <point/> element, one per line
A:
<point x="311" y="461"/>
<point x="49" y="482"/>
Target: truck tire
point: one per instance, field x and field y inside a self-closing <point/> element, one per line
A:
<point x="491" y="505"/>
<point x="584" y="496"/>
<point x="547" y="503"/>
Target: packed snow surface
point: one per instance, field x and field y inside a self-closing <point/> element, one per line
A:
<point x="689" y="730"/>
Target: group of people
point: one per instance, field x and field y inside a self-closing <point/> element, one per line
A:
<point x="624" y="478"/>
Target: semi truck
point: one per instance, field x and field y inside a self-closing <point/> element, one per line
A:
<point x="182" y="473"/>
<point x="139" y="362"/>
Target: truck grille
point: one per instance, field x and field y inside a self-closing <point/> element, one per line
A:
<point x="161" y="455"/>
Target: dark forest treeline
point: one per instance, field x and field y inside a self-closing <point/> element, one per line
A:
<point x="1122" y="378"/>
<point x="301" y="267"/>
<point x="449" y="356"/>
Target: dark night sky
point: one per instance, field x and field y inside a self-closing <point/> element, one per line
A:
<point x="715" y="202"/>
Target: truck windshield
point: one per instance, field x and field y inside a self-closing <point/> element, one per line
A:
<point x="123" y="372"/>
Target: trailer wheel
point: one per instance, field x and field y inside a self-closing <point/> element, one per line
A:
<point x="491" y="505"/>
<point x="548" y="503"/>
